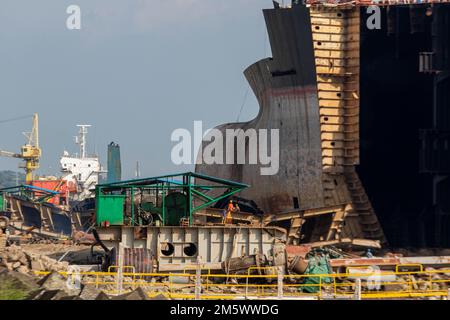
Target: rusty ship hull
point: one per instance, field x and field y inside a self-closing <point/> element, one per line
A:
<point x="363" y="120"/>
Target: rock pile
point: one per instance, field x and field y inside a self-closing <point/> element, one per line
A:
<point x="55" y="287"/>
<point x="14" y="258"/>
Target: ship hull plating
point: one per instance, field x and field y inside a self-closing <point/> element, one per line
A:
<point x="315" y="165"/>
<point x="338" y="140"/>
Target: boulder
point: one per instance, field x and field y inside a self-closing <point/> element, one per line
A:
<point x="43" y="294"/>
<point x="24" y="260"/>
<point x="22" y="284"/>
<point x="89" y="292"/>
<point x="414" y="283"/>
<point x="137" y="294"/>
<point x="13" y="257"/>
<point x="35" y="293"/>
<point x="8" y="265"/>
<point x="393" y="287"/>
<point x="51" y="295"/>
<point x="424" y="286"/>
<point x="3" y="271"/>
<point x="102" y="296"/>
<point x="23" y="269"/>
<point x="435" y="287"/>
<point x="37" y="265"/>
<point x="52" y="281"/>
<point x="55" y="281"/>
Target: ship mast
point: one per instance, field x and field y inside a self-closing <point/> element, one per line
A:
<point x="82" y="139"/>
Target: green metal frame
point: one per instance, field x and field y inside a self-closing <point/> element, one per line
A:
<point x="2" y="201"/>
<point x="193" y="185"/>
<point x="31" y="193"/>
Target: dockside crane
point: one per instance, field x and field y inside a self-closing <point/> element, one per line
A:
<point x="30" y="152"/>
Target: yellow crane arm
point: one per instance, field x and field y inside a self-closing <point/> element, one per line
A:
<point x="9" y="154"/>
<point x="30" y="152"/>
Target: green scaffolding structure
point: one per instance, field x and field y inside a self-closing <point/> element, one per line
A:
<point x="29" y="192"/>
<point x="163" y="200"/>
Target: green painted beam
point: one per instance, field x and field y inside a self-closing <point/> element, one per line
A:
<point x="185" y="182"/>
<point x="202" y="195"/>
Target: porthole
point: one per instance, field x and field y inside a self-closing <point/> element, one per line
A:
<point x="190" y="249"/>
<point x="167" y="249"/>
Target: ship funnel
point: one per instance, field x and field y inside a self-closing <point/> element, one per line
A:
<point x="114" y="163"/>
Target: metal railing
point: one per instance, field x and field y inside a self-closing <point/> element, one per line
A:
<point x="273" y="284"/>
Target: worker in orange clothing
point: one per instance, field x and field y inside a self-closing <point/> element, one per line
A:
<point x="231" y="208"/>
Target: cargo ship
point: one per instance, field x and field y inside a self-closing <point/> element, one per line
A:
<point x="56" y="206"/>
<point x="80" y="173"/>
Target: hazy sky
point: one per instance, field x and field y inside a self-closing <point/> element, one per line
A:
<point x="137" y="70"/>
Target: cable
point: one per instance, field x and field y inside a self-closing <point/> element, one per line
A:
<point x="17" y="118"/>
<point x="243" y="103"/>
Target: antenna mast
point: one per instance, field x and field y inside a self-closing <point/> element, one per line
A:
<point x="82" y="139"/>
<point x="138" y="171"/>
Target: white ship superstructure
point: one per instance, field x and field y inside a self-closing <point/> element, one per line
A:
<point x="81" y="170"/>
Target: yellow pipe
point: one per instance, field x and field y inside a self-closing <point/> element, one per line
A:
<point x="269" y="290"/>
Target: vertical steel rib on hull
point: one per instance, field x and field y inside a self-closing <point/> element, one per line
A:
<point x="286" y="87"/>
<point x="42" y="216"/>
